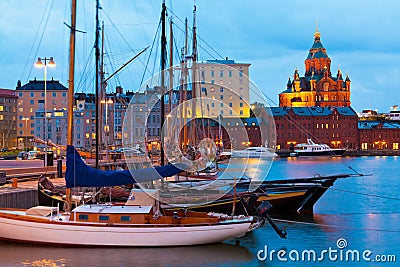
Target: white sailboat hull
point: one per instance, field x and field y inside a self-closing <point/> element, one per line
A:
<point x="79" y="234"/>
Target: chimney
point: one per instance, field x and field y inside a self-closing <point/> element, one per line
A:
<point x="119" y="90"/>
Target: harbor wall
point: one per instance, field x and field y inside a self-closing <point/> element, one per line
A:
<point x="18" y="198"/>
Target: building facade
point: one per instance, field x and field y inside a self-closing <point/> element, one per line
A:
<point x="8" y="119"/>
<point x="226" y="85"/>
<point x="379" y="135"/>
<point x="318" y="87"/>
<point x="31" y="98"/>
<point x="335" y="126"/>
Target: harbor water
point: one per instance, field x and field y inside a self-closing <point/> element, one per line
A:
<point x="356" y="223"/>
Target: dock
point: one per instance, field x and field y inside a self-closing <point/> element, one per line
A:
<point x="22" y="194"/>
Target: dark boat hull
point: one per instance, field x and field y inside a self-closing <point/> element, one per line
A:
<point x="337" y="152"/>
<point x="294" y="196"/>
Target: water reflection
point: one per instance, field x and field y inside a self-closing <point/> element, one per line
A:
<point x="30" y="255"/>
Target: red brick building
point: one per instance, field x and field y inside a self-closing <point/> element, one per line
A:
<point x="335" y="126"/>
<point x="379" y="135"/>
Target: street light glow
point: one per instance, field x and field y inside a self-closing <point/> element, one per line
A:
<point x="48" y="62"/>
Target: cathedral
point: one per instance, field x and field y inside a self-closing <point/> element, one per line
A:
<point x="318" y="88"/>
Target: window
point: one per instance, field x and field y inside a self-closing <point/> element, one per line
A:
<point x="240" y="73"/>
<point x="326" y="87"/>
<point x="241" y="112"/>
<point x="32" y="102"/>
<point x="64" y="94"/>
<point x="241" y="104"/>
<point x="230" y="104"/>
<point x="364" y="146"/>
<point x="125" y="218"/>
<point x="230" y="73"/>
<point x="104" y="218"/>
<point x="32" y="94"/>
<point x="221" y="73"/>
<point x="221" y="89"/>
<point x="42" y="94"/>
<point x="1" y="117"/>
<point x="221" y="97"/>
<point x="83" y="217"/>
<point x="54" y="94"/>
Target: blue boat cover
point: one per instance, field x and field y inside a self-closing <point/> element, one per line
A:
<point x="80" y="174"/>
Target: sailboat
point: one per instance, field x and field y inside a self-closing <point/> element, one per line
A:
<point x="114" y="225"/>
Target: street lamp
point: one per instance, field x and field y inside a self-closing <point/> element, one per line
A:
<point x="39" y="64"/>
<point x="26" y="131"/>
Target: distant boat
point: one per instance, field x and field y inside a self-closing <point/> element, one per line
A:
<point x="312" y="149"/>
<point x="254" y="152"/>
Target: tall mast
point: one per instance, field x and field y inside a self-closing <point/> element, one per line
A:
<point x="102" y="95"/>
<point x="71" y="92"/>
<point x="194" y="69"/>
<point x="183" y="97"/>
<point x="163" y="65"/>
<point x="171" y="64"/>
<point x="97" y="87"/>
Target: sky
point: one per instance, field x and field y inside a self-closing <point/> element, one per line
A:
<point x="361" y="38"/>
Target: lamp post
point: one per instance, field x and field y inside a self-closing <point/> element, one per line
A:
<point x="26" y="131"/>
<point x="48" y="62"/>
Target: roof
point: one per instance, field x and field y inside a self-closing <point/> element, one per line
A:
<point x="51" y="85"/>
<point x="8" y="93"/>
<point x="301" y="111"/>
<point x="365" y="125"/>
<point x="312" y="111"/>
<point x="107" y="209"/>
<point x="223" y="61"/>
<point x="279" y="111"/>
<point x="346" y="111"/>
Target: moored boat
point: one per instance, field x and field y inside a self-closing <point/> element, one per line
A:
<point x="254" y="152"/>
<point x="111" y="225"/>
<point x="312" y="149"/>
<point x="132" y="224"/>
